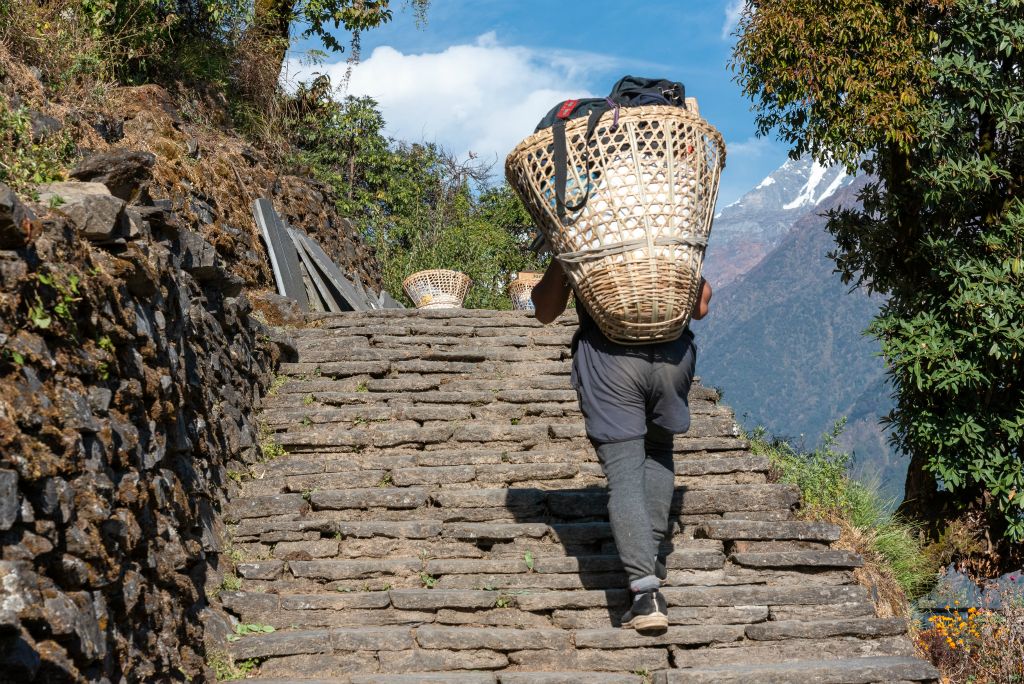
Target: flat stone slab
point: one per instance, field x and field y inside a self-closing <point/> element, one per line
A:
<point x="754" y="530"/>
<point x="436" y="599"/>
<point x="793" y="650"/>
<point x="823" y="558"/>
<point x="628" y="638"/>
<point x="569" y="678"/>
<point x="281" y="644"/>
<point x="389" y="497"/>
<point x="492" y="638"/>
<point x="847" y="671"/>
<point x="425" y="678"/>
<point x="352" y="569"/>
<point x="821" y="629"/>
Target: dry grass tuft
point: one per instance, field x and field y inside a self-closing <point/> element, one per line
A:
<point x="877" y="573"/>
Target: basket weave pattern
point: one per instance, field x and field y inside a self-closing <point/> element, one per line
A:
<point x="634" y="252"/>
<point x="437" y="289"/>
<point x="521" y="289"/>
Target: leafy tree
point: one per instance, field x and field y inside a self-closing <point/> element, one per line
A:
<point x="273" y="19"/>
<point x="927" y="97"/>
<point x="415" y="203"/>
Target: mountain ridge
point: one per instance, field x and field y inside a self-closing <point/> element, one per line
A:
<point x="784" y="341"/>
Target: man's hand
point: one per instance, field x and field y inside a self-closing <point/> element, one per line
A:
<point x="551" y="295"/>
<point x="700" y="307"/>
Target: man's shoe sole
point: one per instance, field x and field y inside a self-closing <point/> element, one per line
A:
<point x="647" y="622"/>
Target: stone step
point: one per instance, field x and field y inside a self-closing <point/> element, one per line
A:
<point x="473" y="678"/>
<point x="754" y="530"/>
<point x="519" y="502"/>
<point x="844" y="671"/>
<point x="806" y="558"/>
<point x="432" y="637"/>
<point x="411" y="433"/>
<point x="357" y="471"/>
<point x="721" y="597"/>
<point x="439" y="516"/>
<point x="559" y="604"/>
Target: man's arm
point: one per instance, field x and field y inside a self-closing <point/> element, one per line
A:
<point x="551" y="295"/>
<point x="700" y="307"/>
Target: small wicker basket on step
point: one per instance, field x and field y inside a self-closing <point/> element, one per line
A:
<point x="521" y="288"/>
<point x="437" y="289"/>
<point x="634" y="251"/>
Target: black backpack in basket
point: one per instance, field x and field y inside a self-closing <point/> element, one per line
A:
<point x="629" y="91"/>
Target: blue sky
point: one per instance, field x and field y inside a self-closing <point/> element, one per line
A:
<point x="480" y="73"/>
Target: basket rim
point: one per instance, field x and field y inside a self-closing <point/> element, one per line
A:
<point x="420" y="274"/>
<point x="625" y="113"/>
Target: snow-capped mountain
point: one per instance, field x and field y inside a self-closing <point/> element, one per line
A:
<point x="784" y="339"/>
<point x="746" y="230"/>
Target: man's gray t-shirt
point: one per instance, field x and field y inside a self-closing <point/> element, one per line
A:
<point x="623" y="388"/>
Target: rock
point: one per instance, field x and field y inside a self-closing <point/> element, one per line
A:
<point x="123" y="172"/>
<point x="198" y="256"/>
<point x="8" y="499"/>
<point x="851" y="671"/>
<point x="109" y="128"/>
<point x="18" y="224"/>
<point x="282" y="643"/>
<point x="19" y="660"/>
<point x="277" y="309"/>
<point x="494" y="638"/>
<point x="96" y="213"/>
<point x="43" y="126"/>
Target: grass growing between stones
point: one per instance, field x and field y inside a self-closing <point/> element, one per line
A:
<point x="225" y="669"/>
<point x="896" y="568"/>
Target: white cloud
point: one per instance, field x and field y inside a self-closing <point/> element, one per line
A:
<point x="732" y="17"/>
<point x="482" y="97"/>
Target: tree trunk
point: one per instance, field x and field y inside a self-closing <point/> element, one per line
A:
<point x="271" y="22"/>
<point x="922" y="500"/>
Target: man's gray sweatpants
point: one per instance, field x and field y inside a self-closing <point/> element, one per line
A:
<point x="633" y="400"/>
<point x="641" y="480"/>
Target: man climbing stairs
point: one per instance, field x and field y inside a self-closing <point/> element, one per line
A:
<point x="431" y="511"/>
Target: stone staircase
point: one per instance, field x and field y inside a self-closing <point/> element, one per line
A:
<point x="439" y="516"/>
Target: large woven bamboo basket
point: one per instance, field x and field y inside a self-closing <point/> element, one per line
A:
<point x="521" y="289"/>
<point x="634" y="251"/>
<point x="437" y="289"/>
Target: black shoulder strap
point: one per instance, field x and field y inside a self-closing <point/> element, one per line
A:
<point x="561" y="161"/>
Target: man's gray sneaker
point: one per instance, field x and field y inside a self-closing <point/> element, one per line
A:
<point x="649" y="612"/>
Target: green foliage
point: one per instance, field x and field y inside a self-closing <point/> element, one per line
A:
<point x="828" y="493"/>
<point x="231" y="583"/>
<point x="140" y="38"/>
<point x="224" y="669"/>
<point x="941" y="226"/>
<point x="428" y="580"/>
<point x="55" y="302"/>
<point x="836" y="83"/>
<point x="321" y="17"/>
<point x="417" y="205"/>
<point x="27" y="161"/>
<point x="243" y="629"/>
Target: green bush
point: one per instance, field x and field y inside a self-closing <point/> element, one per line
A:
<point x="24" y="161"/>
<point x="828" y="493"/>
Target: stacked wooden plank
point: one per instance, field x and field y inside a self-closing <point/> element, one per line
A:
<point x="304" y="272"/>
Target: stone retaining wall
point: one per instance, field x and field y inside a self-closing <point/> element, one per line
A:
<point x="130" y="364"/>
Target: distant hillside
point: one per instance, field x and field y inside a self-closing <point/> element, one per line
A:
<point x="784" y="343"/>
